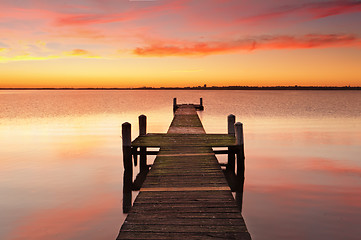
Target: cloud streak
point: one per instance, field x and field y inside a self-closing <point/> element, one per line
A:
<point x="313" y="10"/>
<point x="78" y="52"/>
<point x="31" y="52"/>
<point x="163" y="49"/>
<point x="101" y="18"/>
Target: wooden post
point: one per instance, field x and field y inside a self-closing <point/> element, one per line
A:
<point x="240" y="163"/>
<point x="231" y="154"/>
<point x="238" y="128"/>
<point x="231" y="121"/>
<point x="201" y="104"/>
<point x="128" y="168"/>
<point x="174" y="104"/>
<point x="142" y="125"/>
<point x="143" y="150"/>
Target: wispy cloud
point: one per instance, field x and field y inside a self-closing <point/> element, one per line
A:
<point x="88" y="19"/>
<point x="30" y="52"/>
<point x="127" y="15"/>
<point x="95" y="23"/>
<point x="311" y="10"/>
<point x="249" y="44"/>
<point x="78" y="52"/>
<point x="324" y="9"/>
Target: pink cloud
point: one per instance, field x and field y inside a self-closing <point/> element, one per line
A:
<point x="248" y="44"/>
<point x="88" y="33"/>
<point x="324" y="9"/>
<point x="131" y="14"/>
<point x="219" y="22"/>
<point x="88" y="19"/>
<point x="315" y="10"/>
<point x="11" y="13"/>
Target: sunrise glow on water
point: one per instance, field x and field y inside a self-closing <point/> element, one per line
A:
<point x="61" y="159"/>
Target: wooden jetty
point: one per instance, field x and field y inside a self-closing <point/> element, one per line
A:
<point x="185" y="193"/>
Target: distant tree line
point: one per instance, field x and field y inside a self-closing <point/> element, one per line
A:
<point x="295" y="87"/>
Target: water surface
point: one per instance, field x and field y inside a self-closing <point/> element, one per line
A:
<point x="61" y="162"/>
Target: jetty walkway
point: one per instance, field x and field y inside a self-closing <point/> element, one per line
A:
<point x="185" y="194"/>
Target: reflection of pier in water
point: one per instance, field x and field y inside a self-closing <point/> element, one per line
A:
<point x="184" y="194"/>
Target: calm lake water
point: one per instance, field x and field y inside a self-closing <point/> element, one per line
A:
<point x="61" y="159"/>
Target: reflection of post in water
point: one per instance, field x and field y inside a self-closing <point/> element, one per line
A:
<point x="235" y="178"/>
<point x="128" y="168"/>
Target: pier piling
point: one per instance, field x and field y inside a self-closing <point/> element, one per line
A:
<point x="128" y="168"/>
<point x="174" y="104"/>
<point x="231" y="153"/>
<point x="143" y="150"/>
<point x="240" y="163"/>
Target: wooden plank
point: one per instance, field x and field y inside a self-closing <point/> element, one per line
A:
<point x="191" y="235"/>
<point x="222" y="216"/>
<point x="187" y="221"/>
<point x="184" y="228"/>
<point x="194" y="140"/>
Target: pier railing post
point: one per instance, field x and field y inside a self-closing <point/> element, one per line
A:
<point x="174" y="104"/>
<point x="200" y="104"/>
<point x="128" y="168"/>
<point x="231" y="154"/>
<point x="143" y="150"/>
<point x="240" y="162"/>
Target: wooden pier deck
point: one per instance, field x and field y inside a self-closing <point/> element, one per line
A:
<point x="185" y="194"/>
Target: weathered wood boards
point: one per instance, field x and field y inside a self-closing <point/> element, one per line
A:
<point x="195" y="140"/>
<point x="185" y="194"/>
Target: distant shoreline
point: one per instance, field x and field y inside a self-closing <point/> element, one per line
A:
<point x="205" y="88"/>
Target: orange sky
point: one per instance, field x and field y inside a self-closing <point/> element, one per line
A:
<point x="135" y="43"/>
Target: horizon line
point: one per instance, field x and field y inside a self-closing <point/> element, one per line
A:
<point x="284" y="87"/>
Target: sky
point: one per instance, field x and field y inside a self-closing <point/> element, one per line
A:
<point x="153" y="43"/>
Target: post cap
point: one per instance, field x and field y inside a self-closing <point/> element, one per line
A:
<point x="126" y="124"/>
<point x="126" y="134"/>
